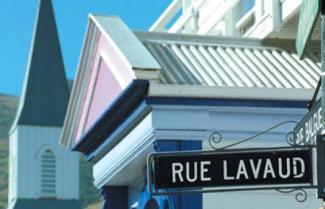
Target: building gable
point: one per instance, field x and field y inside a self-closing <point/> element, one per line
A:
<point x="102" y="78"/>
<point x="192" y="67"/>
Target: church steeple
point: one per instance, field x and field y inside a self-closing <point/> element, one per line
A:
<point x="45" y="92"/>
<point x="38" y="165"/>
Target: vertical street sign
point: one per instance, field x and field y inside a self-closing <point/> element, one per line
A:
<point x="307" y="129"/>
<point x="309" y="10"/>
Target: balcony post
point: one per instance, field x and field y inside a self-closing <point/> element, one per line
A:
<point x="276" y="14"/>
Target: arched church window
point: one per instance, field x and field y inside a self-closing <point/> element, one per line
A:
<point x="48" y="174"/>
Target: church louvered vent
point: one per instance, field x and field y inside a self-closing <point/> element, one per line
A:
<point x="48" y="174"/>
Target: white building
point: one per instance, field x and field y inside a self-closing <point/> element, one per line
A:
<point x="147" y="92"/>
<point x="262" y="19"/>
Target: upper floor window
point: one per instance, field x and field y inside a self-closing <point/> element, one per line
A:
<point x="244" y="6"/>
<point x="246" y="15"/>
<point x="48" y="174"/>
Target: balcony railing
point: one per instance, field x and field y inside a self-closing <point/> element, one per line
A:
<point x="167" y="16"/>
<point x="246" y="22"/>
<point x="191" y="15"/>
<point x="226" y="17"/>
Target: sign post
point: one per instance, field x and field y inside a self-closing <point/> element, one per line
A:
<point x="307" y="129"/>
<point x="322" y="6"/>
<point x="320" y="141"/>
<point x="320" y="166"/>
<point x="231" y="170"/>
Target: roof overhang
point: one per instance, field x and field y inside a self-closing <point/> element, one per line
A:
<point x="117" y="113"/>
<point x="136" y="101"/>
<point x="146" y="90"/>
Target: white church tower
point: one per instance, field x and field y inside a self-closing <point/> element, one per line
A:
<point x="42" y="175"/>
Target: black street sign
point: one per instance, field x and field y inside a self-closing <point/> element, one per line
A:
<point x="307" y="129"/>
<point x="240" y="168"/>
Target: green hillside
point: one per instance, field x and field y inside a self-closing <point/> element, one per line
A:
<point x="3" y="173"/>
<point x="88" y="193"/>
<point x="8" y="107"/>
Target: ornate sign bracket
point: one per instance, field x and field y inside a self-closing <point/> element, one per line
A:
<point x="215" y="138"/>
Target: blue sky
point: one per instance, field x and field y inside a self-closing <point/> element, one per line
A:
<point x="17" y="19"/>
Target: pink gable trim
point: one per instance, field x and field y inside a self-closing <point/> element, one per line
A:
<point x="109" y="76"/>
<point x="105" y="91"/>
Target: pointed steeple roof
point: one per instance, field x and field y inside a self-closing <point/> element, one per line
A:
<point x="45" y="92"/>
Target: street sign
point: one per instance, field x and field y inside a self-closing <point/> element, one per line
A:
<point x="307" y="18"/>
<point x="235" y="169"/>
<point x="307" y="129"/>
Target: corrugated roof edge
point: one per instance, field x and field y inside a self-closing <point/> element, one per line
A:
<point x="284" y="44"/>
<point x="133" y="50"/>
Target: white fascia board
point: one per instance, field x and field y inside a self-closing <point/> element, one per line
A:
<point x="195" y="91"/>
<point x="234" y="109"/>
<point x="110" y="169"/>
<point x="124" y="163"/>
<point x="78" y="89"/>
<point x="275" y="137"/>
